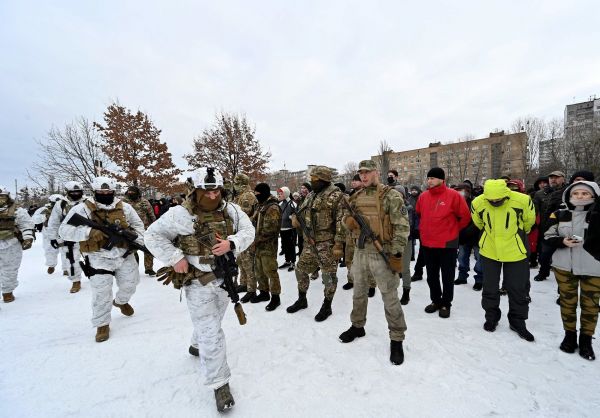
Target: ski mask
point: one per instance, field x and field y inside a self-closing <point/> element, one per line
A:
<point x="319" y="185"/>
<point x="262" y="191"/>
<point x="75" y="195"/>
<point x="133" y="193"/>
<point x="105" y="199"/>
<point x="391" y="180"/>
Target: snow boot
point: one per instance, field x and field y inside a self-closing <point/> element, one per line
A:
<point x="263" y="296"/>
<point x="248" y="297"/>
<point x="432" y="307"/>
<point x="371" y="292"/>
<point x="75" y="287"/>
<point x="194" y="351"/>
<point x="50" y="270"/>
<point x="351" y="333"/>
<point x="125" y="308"/>
<point x="521" y="329"/>
<point x="223" y="398"/>
<point x="569" y="343"/>
<point x="396" y="352"/>
<point x="275" y="302"/>
<point x="242" y="288"/>
<point x="405" y="297"/>
<point x="324" y="312"/>
<point x="585" y="347"/>
<point x="8" y="297"/>
<point x="102" y="333"/>
<point x="348" y="286"/>
<point x="490" y="326"/>
<point x="301" y="303"/>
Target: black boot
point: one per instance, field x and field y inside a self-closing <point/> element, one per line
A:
<point x="275" y="302"/>
<point x="241" y="288"/>
<point x="248" y="297"/>
<point x="262" y="296"/>
<point x="405" y="296"/>
<point x="585" y="347"/>
<point x="223" y="398"/>
<point x="396" y="353"/>
<point x="521" y="329"/>
<point x="371" y="292"/>
<point x="569" y="343"/>
<point x="194" y="351"/>
<point x="301" y="303"/>
<point x="351" y="333"/>
<point x="348" y="286"/>
<point x="324" y="312"/>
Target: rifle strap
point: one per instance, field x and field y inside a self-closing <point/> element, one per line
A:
<point x="90" y="271"/>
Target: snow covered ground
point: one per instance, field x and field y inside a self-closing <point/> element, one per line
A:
<point x="283" y="365"/>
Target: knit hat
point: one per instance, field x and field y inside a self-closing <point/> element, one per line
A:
<point x="437" y="173"/>
<point x="285" y="191"/>
<point x="587" y="175"/>
<point x="495" y="189"/>
<point x="263" y="191"/>
<point x="308" y="186"/>
<point x="581" y="186"/>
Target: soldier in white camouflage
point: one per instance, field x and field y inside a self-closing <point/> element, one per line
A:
<point x="245" y="199"/>
<point x="324" y="238"/>
<point x="145" y="211"/>
<point x="383" y="209"/>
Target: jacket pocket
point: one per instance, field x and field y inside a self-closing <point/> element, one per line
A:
<point x="520" y="244"/>
<point x="482" y="239"/>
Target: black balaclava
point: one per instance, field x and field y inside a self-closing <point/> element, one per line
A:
<point x="75" y="194"/>
<point x="263" y="191"/>
<point x="319" y="185"/>
<point x="105" y="199"/>
<point x="391" y="180"/>
<point x="133" y="193"/>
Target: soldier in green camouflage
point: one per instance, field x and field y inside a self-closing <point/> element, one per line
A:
<point x="322" y="212"/>
<point x="267" y="221"/>
<point x="145" y="211"/>
<point x="383" y="208"/>
<point x="245" y="198"/>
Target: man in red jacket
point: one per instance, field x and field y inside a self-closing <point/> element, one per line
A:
<point x="443" y="214"/>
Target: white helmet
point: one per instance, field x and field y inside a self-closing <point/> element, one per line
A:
<point x="73" y="185"/>
<point x="207" y="178"/>
<point x="4" y="190"/>
<point x="104" y="183"/>
<point x="53" y="198"/>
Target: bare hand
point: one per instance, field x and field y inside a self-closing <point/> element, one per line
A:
<point x="221" y="247"/>
<point x="181" y="266"/>
<point x="569" y="242"/>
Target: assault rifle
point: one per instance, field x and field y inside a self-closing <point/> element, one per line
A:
<point x="115" y="233"/>
<point x="307" y="234"/>
<point x="366" y="232"/>
<point x="226" y="268"/>
<point x="70" y="256"/>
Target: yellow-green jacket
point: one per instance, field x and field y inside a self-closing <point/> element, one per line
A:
<point x="504" y="228"/>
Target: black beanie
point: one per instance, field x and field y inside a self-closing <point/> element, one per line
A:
<point x="263" y="192"/>
<point x="587" y="175"/>
<point x="308" y="186"/>
<point x="437" y="172"/>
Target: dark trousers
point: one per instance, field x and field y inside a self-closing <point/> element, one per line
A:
<point x="545" y="253"/>
<point x="444" y="260"/>
<point x="288" y="244"/>
<point x="420" y="264"/>
<point x="516" y="283"/>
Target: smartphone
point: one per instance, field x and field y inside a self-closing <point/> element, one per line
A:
<point x="576" y="238"/>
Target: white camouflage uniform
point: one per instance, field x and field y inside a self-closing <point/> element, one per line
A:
<point x="56" y="218"/>
<point x="50" y="253"/>
<point x="126" y="270"/>
<point x="11" y="251"/>
<point x="206" y="304"/>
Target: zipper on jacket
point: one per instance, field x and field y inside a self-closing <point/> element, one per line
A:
<point x="489" y="220"/>
<point x="507" y="218"/>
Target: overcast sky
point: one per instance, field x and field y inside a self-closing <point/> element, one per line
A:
<point x="323" y="81"/>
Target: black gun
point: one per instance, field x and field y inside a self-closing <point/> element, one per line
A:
<point x="366" y="232"/>
<point x="116" y="235"/>
<point x="226" y="268"/>
<point x="70" y="256"/>
<point x="307" y="234"/>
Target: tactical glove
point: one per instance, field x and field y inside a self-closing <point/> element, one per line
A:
<point x="27" y="244"/>
<point x="39" y="227"/>
<point x="96" y="235"/>
<point x="351" y="223"/>
<point x="396" y="263"/>
<point x="167" y="275"/>
<point x="54" y="244"/>
<point x="338" y="251"/>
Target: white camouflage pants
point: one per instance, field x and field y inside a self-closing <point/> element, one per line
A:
<point x="11" y="254"/>
<point x="50" y="252"/>
<point x="127" y="277"/>
<point x="207" y="306"/>
<point x="67" y="264"/>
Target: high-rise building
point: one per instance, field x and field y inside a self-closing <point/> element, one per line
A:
<point x="582" y="119"/>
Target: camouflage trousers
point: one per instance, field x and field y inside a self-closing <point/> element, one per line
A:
<point x="265" y="272"/>
<point x="148" y="262"/>
<point x="309" y="262"/>
<point x="349" y="257"/>
<point x="568" y="286"/>
<point x="369" y="263"/>
<point x="246" y="267"/>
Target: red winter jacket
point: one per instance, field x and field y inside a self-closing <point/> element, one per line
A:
<point x="443" y="214"/>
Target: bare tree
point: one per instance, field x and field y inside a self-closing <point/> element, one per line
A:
<point x="384" y="151"/>
<point x="537" y="131"/>
<point x="71" y="153"/>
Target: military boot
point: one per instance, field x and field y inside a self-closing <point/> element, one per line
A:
<point x="585" y="347"/>
<point x="263" y="296"/>
<point x="301" y="303"/>
<point x="50" y="270"/>
<point x="396" y="352"/>
<point x="102" y="333"/>
<point x="275" y="302"/>
<point x="223" y="398"/>
<point x="8" y="297"/>
<point x="569" y="343"/>
<point x="405" y="297"/>
<point x="351" y="333"/>
<point x="125" y="308"/>
<point x="324" y="312"/>
<point x="248" y="297"/>
<point x="75" y="287"/>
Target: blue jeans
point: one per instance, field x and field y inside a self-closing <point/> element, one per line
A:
<point x="464" y="257"/>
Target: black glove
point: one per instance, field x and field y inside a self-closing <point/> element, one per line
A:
<point x="54" y="244"/>
<point x="39" y="227"/>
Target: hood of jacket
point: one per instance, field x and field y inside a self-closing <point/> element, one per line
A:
<point x="567" y="191"/>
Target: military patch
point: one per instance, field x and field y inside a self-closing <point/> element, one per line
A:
<point x="403" y="210"/>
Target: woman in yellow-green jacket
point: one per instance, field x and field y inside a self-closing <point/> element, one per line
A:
<point x="505" y="218"/>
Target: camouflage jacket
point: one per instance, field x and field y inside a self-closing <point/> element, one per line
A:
<point x="247" y="201"/>
<point x="267" y="221"/>
<point x="323" y="214"/>
<point x="144" y="210"/>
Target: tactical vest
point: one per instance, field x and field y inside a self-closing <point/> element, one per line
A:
<point x="8" y="225"/>
<point x="259" y="220"/>
<point x="115" y="216"/>
<point x="371" y="208"/>
<point x="320" y="213"/>
<point x="247" y="201"/>
<point x="207" y="225"/>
